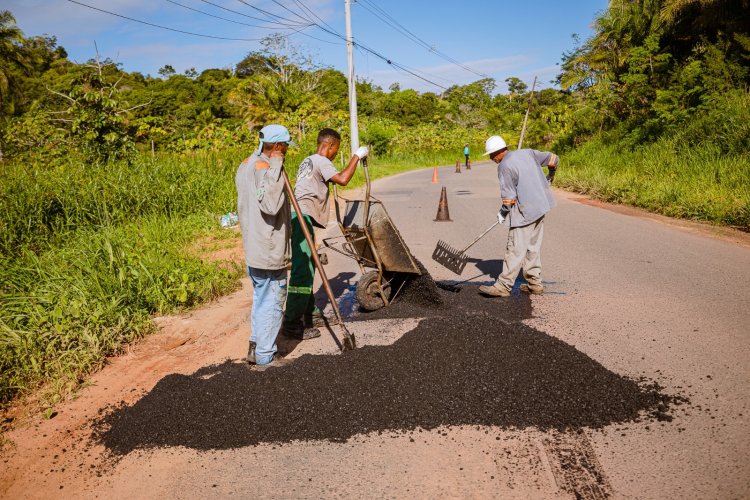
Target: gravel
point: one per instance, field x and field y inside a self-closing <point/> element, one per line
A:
<point x="470" y="362"/>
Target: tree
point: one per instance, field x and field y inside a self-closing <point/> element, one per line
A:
<point x="95" y="116"/>
<point x="11" y="54"/>
<point x="469" y="103"/>
<point x="166" y="71"/>
<point x="284" y="88"/>
<point x="516" y="86"/>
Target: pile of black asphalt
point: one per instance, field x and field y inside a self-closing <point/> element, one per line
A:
<point x="470" y="361"/>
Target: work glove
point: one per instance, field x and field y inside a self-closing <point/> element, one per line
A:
<point x="551" y="175"/>
<point x="361" y="152"/>
<point x="503" y="213"/>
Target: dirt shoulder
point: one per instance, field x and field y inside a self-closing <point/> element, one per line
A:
<point x="45" y="456"/>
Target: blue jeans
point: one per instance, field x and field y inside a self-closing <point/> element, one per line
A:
<point x="269" y="294"/>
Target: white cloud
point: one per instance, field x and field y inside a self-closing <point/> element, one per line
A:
<point x="69" y="21"/>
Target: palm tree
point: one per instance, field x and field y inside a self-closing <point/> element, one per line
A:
<point x="11" y="38"/>
<point x="11" y="54"/>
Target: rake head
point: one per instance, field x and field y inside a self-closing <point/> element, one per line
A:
<point x="449" y="257"/>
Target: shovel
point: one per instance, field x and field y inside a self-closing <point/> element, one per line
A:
<point x="452" y="259"/>
<point x="349" y="341"/>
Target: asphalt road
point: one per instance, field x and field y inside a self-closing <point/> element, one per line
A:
<point x="643" y="296"/>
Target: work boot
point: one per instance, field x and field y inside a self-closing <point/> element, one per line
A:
<point x="297" y="330"/>
<point x="532" y="288"/>
<point x="495" y="290"/>
<point x="277" y="362"/>
<point x="251" y="353"/>
<point x="319" y="320"/>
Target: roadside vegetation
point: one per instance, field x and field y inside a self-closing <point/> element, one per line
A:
<point x="109" y="177"/>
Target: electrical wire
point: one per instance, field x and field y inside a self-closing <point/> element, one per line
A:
<point x="381" y="14"/>
<point x="164" y="27"/>
<point x="224" y="18"/>
<point x="295" y="25"/>
<point x="330" y="30"/>
<point x="327" y="28"/>
<point x="267" y="13"/>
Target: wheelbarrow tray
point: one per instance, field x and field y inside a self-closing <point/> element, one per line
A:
<point x="390" y="246"/>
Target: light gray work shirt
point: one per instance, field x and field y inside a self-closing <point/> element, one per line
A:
<point x="311" y="189"/>
<point x="264" y="212"/>
<point x="522" y="178"/>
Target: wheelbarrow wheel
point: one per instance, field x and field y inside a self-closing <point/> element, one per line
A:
<point x="368" y="292"/>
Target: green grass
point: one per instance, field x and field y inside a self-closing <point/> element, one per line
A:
<point x="88" y="253"/>
<point x="700" y="183"/>
<point x="700" y="170"/>
<point x="64" y="310"/>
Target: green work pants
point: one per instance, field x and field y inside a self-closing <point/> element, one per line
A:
<point x="300" y="301"/>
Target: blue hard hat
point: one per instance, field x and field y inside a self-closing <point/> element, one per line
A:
<point x="275" y="133"/>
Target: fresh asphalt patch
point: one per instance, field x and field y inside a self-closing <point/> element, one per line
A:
<point x="470" y="362"/>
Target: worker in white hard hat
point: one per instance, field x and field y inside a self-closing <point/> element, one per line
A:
<point x="526" y="199"/>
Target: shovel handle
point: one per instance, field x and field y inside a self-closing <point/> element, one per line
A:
<point x="349" y="342"/>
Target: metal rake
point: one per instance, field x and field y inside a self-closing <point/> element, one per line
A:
<point x="453" y="259"/>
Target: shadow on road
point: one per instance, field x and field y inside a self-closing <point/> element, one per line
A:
<point x="492" y="267"/>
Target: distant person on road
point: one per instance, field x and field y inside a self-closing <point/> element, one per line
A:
<point x="315" y="174"/>
<point x="526" y="198"/>
<point x="466" y="154"/>
<point x="265" y="220"/>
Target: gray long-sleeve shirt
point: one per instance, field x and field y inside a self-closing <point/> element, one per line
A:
<point x="264" y="212"/>
<point x="522" y="179"/>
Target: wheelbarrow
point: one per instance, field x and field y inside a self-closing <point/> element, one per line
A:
<point x="372" y="240"/>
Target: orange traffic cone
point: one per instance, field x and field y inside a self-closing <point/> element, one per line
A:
<point x="442" y="213"/>
<point x="458" y="166"/>
<point x="434" y="176"/>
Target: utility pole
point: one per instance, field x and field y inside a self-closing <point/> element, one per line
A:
<point x="526" y="118"/>
<point x="353" y="126"/>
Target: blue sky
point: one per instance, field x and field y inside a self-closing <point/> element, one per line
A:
<point x="497" y="38"/>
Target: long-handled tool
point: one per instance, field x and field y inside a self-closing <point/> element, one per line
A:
<point x="349" y="341"/>
<point x="455" y="260"/>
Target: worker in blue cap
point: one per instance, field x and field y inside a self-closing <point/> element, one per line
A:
<point x="265" y="220"/>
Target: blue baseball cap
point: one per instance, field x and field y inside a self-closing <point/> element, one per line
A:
<point x="275" y="133"/>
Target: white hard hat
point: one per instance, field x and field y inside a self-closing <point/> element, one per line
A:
<point x="494" y="143"/>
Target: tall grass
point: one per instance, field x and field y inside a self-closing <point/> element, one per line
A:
<point x="700" y="172"/>
<point x="664" y="177"/>
<point x="65" y="309"/>
<point x="41" y="204"/>
<point x="88" y="253"/>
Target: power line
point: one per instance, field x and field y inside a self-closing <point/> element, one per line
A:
<point x="381" y="14"/>
<point x="299" y="27"/>
<point x="165" y="27"/>
<point x="267" y="13"/>
<point x="330" y="30"/>
<point x="224" y="18"/>
<point x="295" y="25"/>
